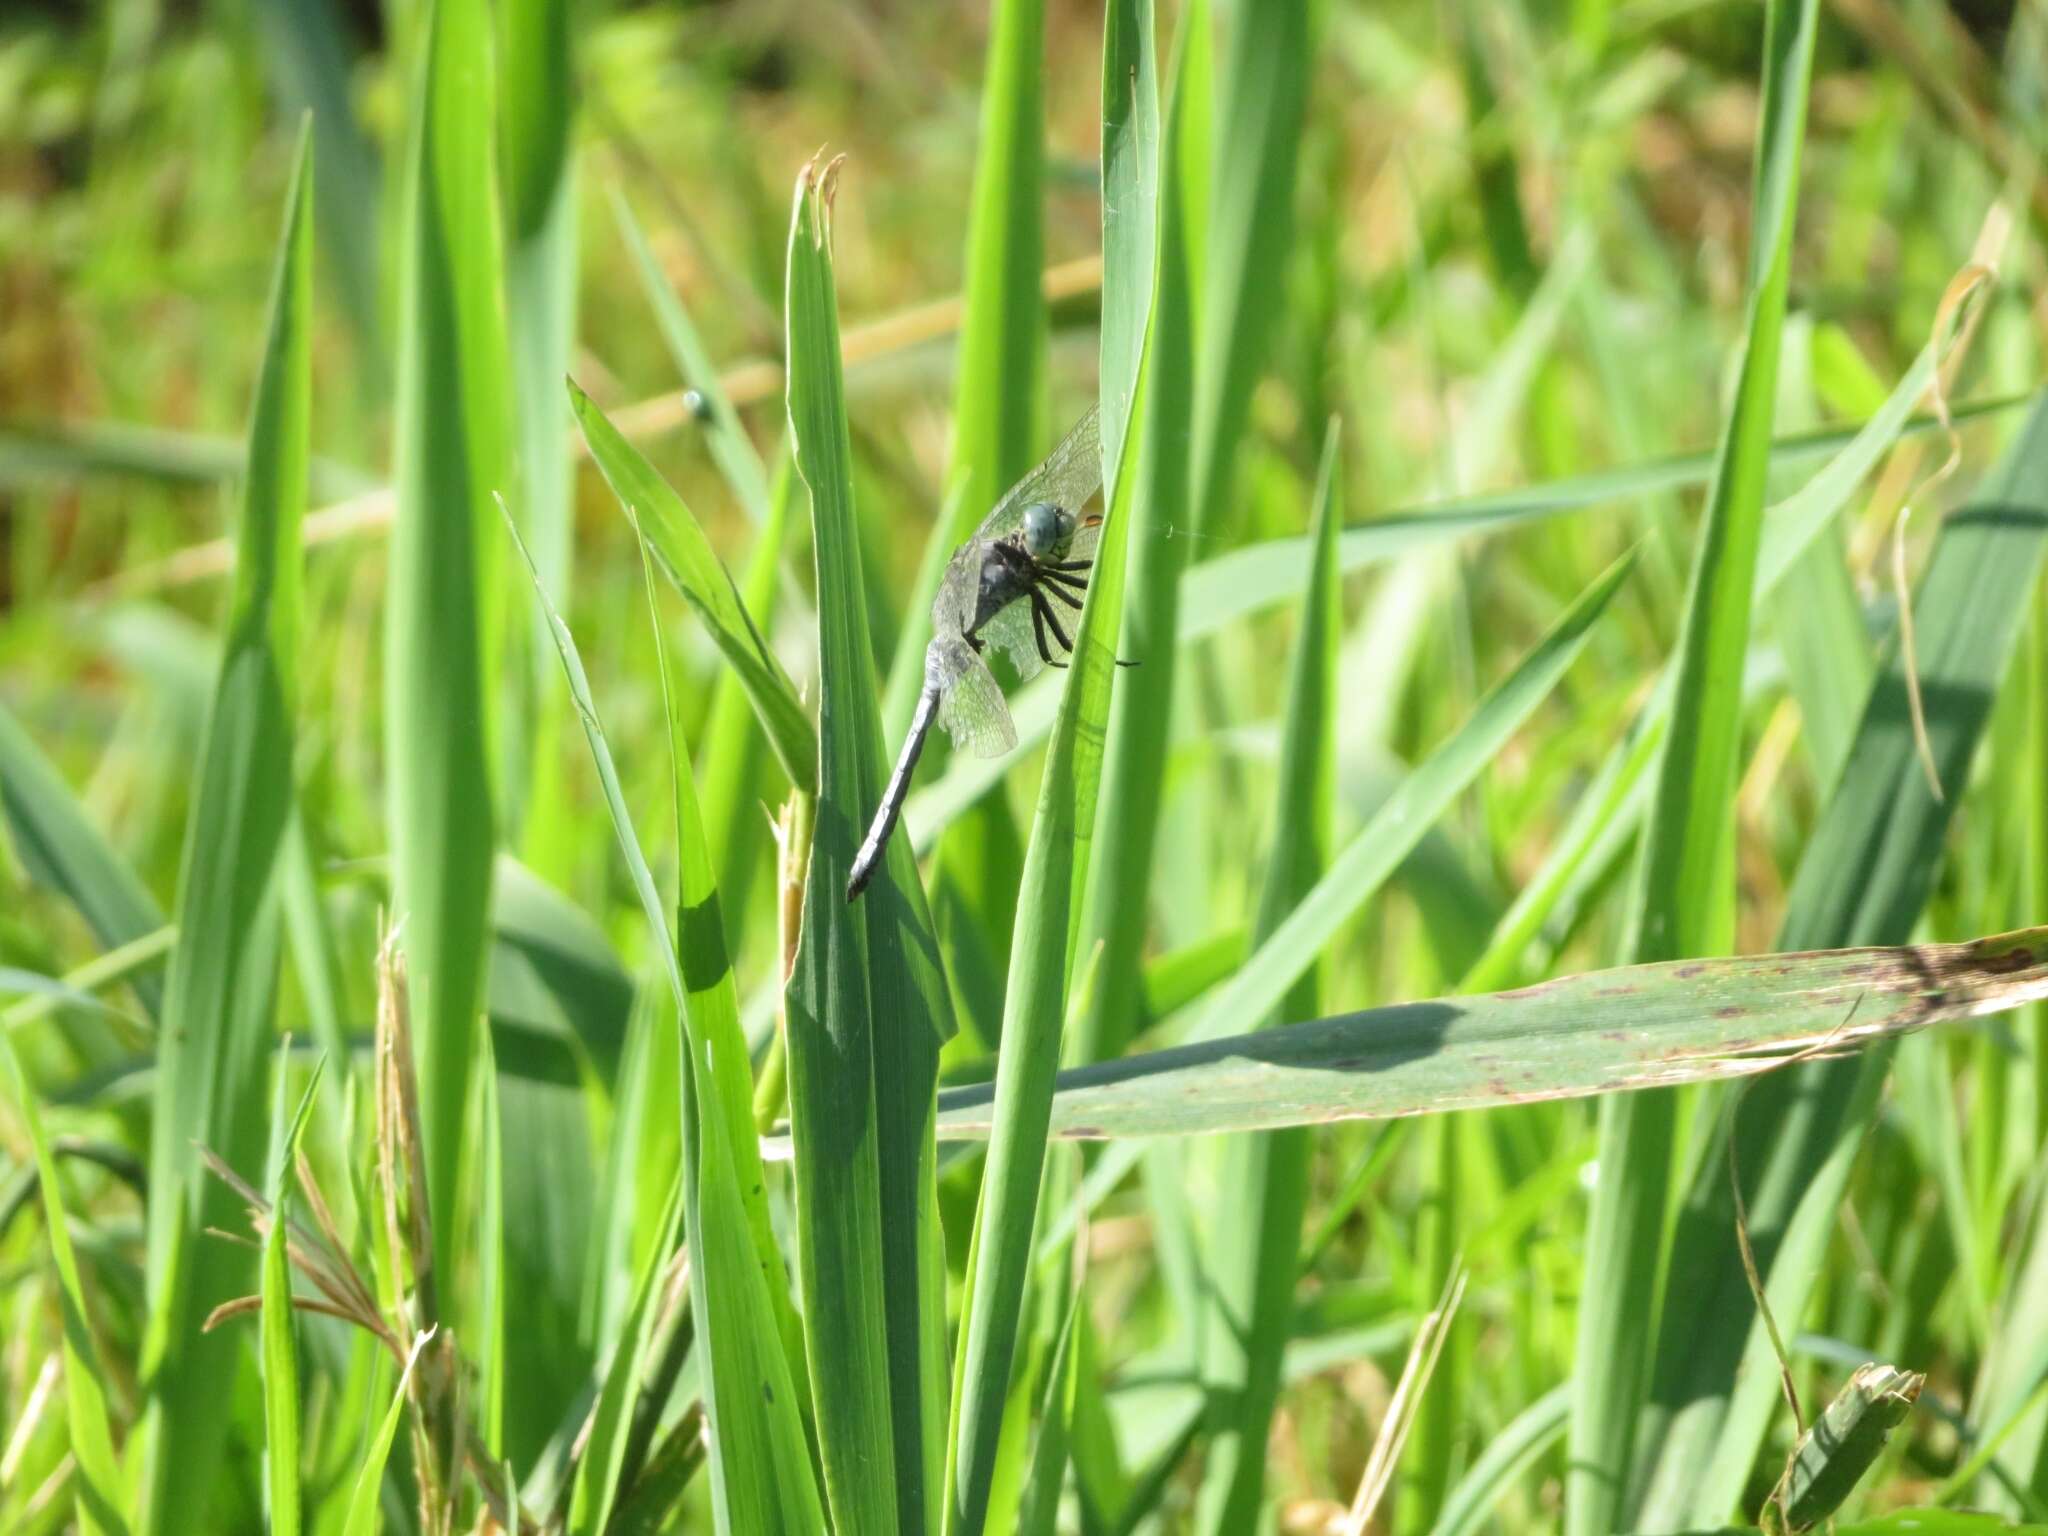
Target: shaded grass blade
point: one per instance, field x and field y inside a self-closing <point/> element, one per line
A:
<point x="223" y="969"/>
<point x="687" y="560"/>
<point x="867" y="1006"/>
<point x="1686" y="891"/>
<point x="99" y="1492"/>
<point x="452" y="418"/>
<point x="1633" y="1028"/>
<point x="1034" y="1006"/>
<point x="1255" y="1238"/>
<point x="64" y="852"/>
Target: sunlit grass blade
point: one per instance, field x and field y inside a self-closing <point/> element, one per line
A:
<point x="99" y="1496"/>
<point x="1254" y="1236"/>
<point x="223" y="970"/>
<point x="724" y="1082"/>
<point x="866" y="1005"/>
<point x="280" y="1349"/>
<point x="1865" y="875"/>
<point x="688" y="560"/>
<point x="761" y="1476"/>
<point x="602" y="1457"/>
<point x="1130" y="216"/>
<point x="441" y="626"/>
<point x="1213" y="316"/>
<point x="732" y="760"/>
<point x="1685" y="896"/>
<point x="1633" y="1028"/>
<point x="1508" y="1455"/>
<point x="1113" y="905"/>
<point x="536" y="120"/>
<point x="1034" y="1005"/>
<point x="361" y="1518"/>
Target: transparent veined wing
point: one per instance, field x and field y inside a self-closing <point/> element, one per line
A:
<point x="971" y="706"/>
<point x="959" y="590"/>
<point x="1068" y="479"/>
<point x="1010" y="630"/>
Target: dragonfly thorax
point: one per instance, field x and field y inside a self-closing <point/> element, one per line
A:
<point x="1006" y="569"/>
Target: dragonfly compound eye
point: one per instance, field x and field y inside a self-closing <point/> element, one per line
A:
<point x="1045" y="529"/>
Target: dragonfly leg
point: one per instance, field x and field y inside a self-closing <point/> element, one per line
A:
<point x="1066" y="565"/>
<point x="1038" y="612"/>
<point x="1059" y="578"/>
<point x="1062" y="594"/>
<point x="1052" y="621"/>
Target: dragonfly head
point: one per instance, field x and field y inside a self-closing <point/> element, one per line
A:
<point x="1046" y="529"/>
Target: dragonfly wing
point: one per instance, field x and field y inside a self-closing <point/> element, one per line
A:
<point x="1011" y="631"/>
<point x="1069" y="477"/>
<point x="959" y="591"/>
<point x="971" y="706"/>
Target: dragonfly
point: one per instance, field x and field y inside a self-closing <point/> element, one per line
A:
<point x="1015" y="585"/>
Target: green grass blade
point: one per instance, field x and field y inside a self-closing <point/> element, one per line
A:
<point x="99" y="1493"/>
<point x="1039" y="1507"/>
<point x="33" y="453"/>
<point x="867" y="1008"/>
<point x="1130" y="215"/>
<point x="1508" y="1455"/>
<point x="453" y="415"/>
<point x="312" y="55"/>
<point x="1363" y="866"/>
<point x="998" y="403"/>
<point x="596" y="1488"/>
<point x="63" y="851"/>
<point x="732" y="744"/>
<point x="1686" y="887"/>
<point x="1034" y="1005"/>
<point x="725" y="1088"/>
<point x="280" y="1348"/>
<point x="535" y="123"/>
<point x="1249" y="226"/>
<point x="1865" y="877"/>
<point x="731" y="449"/>
<point x="1113" y="908"/>
<point x="760" y="1467"/>
<point x="1633" y="1028"/>
<point x="223" y="970"/>
<point x="1254" y="1240"/>
<point x="688" y="561"/>
<point x="361" y="1518"/>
